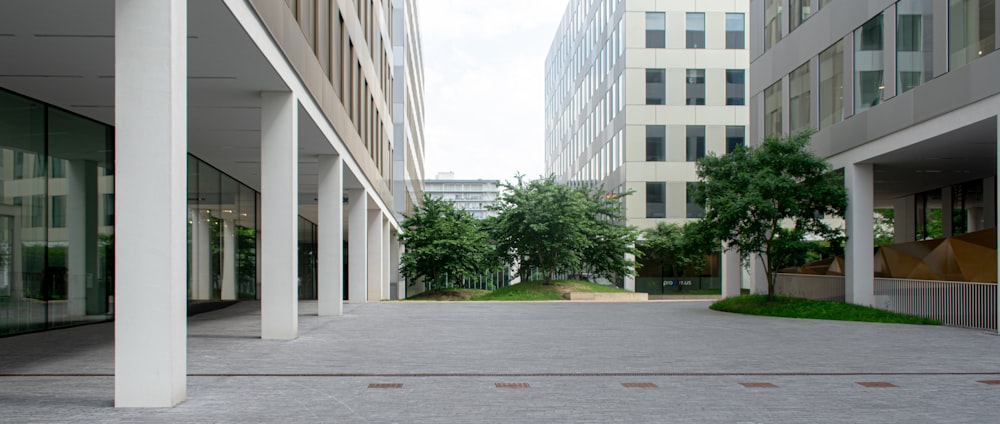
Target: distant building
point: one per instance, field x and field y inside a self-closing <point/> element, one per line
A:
<point x="472" y="196"/>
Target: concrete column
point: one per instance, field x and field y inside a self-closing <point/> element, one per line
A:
<point x="331" y="235"/>
<point x="357" y="246"/>
<point x="859" y="261"/>
<point x="228" y="260"/>
<point x="731" y="272"/>
<point x="947" y="213"/>
<point x="202" y="255"/>
<point x="990" y="200"/>
<point x="279" y="298"/>
<point x="374" y="255"/>
<point x="150" y="188"/>
<point x="903" y="223"/>
<point x="758" y="285"/>
<point x="629" y="279"/>
<point x="386" y="267"/>
<point x="86" y="297"/>
<point x="396" y="282"/>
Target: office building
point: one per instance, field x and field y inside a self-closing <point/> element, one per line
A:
<point x="472" y="196"/>
<point x="159" y="152"/>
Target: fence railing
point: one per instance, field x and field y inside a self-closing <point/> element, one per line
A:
<point x="957" y="303"/>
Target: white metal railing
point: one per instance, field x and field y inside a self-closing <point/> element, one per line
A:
<point x="808" y="286"/>
<point x="962" y="304"/>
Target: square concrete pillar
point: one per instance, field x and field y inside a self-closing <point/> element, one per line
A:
<point x="758" y="274"/>
<point x="629" y="283"/>
<point x="386" y="267"/>
<point x="331" y="235"/>
<point x="151" y="193"/>
<point x="86" y="296"/>
<point x="731" y="273"/>
<point x="357" y="246"/>
<point x="228" y="259"/>
<point x="859" y="278"/>
<point x="279" y="210"/>
<point x="375" y="240"/>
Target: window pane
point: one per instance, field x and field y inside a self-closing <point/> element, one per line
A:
<point x="694" y="210"/>
<point x="772" y="23"/>
<point x="695" y="87"/>
<point x="656" y="30"/>
<point x="656" y="147"/>
<point x="868" y="65"/>
<point x="734" y="31"/>
<point x="971" y="30"/>
<point x="798" y="99"/>
<point x="695" y="142"/>
<point x="800" y="11"/>
<point x="695" y="30"/>
<point x="656" y="195"/>
<point x="772" y="110"/>
<point x="735" y="137"/>
<point x="914" y="43"/>
<point x="831" y="85"/>
<point x="656" y="89"/>
<point x="735" y="88"/>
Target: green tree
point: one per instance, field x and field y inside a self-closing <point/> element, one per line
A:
<point x="677" y="248"/>
<point x="554" y="227"/>
<point x="765" y="199"/>
<point x="441" y="241"/>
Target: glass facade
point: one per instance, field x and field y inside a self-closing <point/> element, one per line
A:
<point x="971" y="30"/>
<point x="772" y="23"/>
<point x="735" y="28"/>
<point x="831" y="85"/>
<point x="656" y="199"/>
<point x="56" y="237"/>
<point x="656" y="30"/>
<point x="798" y="99"/>
<point x="695" y="148"/>
<point x="914" y="43"/>
<point x="735" y="87"/>
<point x="869" y="64"/>
<point x="656" y="145"/>
<point x="735" y="137"/>
<point x="656" y="87"/>
<point x="772" y="110"/>
<point x="695" y="87"/>
<point x="695" y="30"/>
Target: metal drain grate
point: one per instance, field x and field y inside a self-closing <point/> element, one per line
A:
<point x="876" y="384"/>
<point x="385" y="386"/>
<point x="759" y="385"/>
<point x="639" y="385"/>
<point x="512" y="385"/>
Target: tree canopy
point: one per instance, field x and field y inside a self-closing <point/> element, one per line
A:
<point x="765" y="199"/>
<point x="553" y="227"/>
<point x="441" y="241"/>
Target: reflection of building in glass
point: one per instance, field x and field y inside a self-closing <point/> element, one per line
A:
<point x="472" y="196"/>
<point x="635" y="93"/>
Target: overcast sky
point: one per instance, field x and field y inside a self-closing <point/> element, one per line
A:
<point x="484" y="68"/>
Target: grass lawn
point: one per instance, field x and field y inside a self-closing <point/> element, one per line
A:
<point x="792" y="307"/>
<point x="535" y="290"/>
<point x="448" y="294"/>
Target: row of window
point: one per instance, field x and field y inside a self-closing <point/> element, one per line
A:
<point x="656" y="87"/>
<point x="656" y="200"/>
<point x="694" y="30"/>
<point x="800" y="10"/>
<point x="694" y="141"/>
<point x="971" y="34"/>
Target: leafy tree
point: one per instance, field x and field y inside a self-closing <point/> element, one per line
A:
<point x="676" y="247"/>
<point x="443" y="241"/>
<point x="884" y="230"/>
<point x="553" y="227"/>
<point x="766" y="199"/>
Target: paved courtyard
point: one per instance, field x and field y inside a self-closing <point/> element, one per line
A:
<point x="544" y="362"/>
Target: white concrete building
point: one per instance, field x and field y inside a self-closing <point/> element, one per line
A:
<point x="905" y="99"/>
<point x="636" y="91"/>
<point x="472" y="196"/>
<point x="247" y="141"/>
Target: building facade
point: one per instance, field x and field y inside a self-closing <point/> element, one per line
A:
<point x="408" y="108"/>
<point x="472" y="196"/>
<point x="905" y="102"/>
<point x="157" y="153"/>
<point x="637" y="91"/>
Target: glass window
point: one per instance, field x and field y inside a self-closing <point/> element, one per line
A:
<point x="798" y="99"/>
<point x="800" y="11"/>
<point x="656" y="89"/>
<point x="735" y="87"/>
<point x="18" y="165"/>
<point x="735" y="137"/>
<point x="695" y="30"/>
<point x="914" y="43"/>
<point x="772" y="23"/>
<point x="109" y="208"/>
<point x="656" y="34"/>
<point x="823" y="3"/>
<point x="971" y="30"/>
<point x="695" y="142"/>
<point x="868" y="65"/>
<point x="735" y="27"/>
<point x="694" y="210"/>
<point x="37" y="214"/>
<point x="831" y="85"/>
<point x="772" y="110"/>
<point x="656" y="200"/>
<point x="58" y="211"/>
<point x="695" y="87"/>
<point x="656" y="144"/>
<point x="58" y="168"/>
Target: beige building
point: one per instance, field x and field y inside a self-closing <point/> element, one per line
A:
<point x="636" y="91"/>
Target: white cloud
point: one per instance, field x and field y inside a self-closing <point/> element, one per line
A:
<point x="484" y="64"/>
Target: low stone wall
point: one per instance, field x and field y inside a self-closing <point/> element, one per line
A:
<point x="819" y="287"/>
<point x="608" y="297"/>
